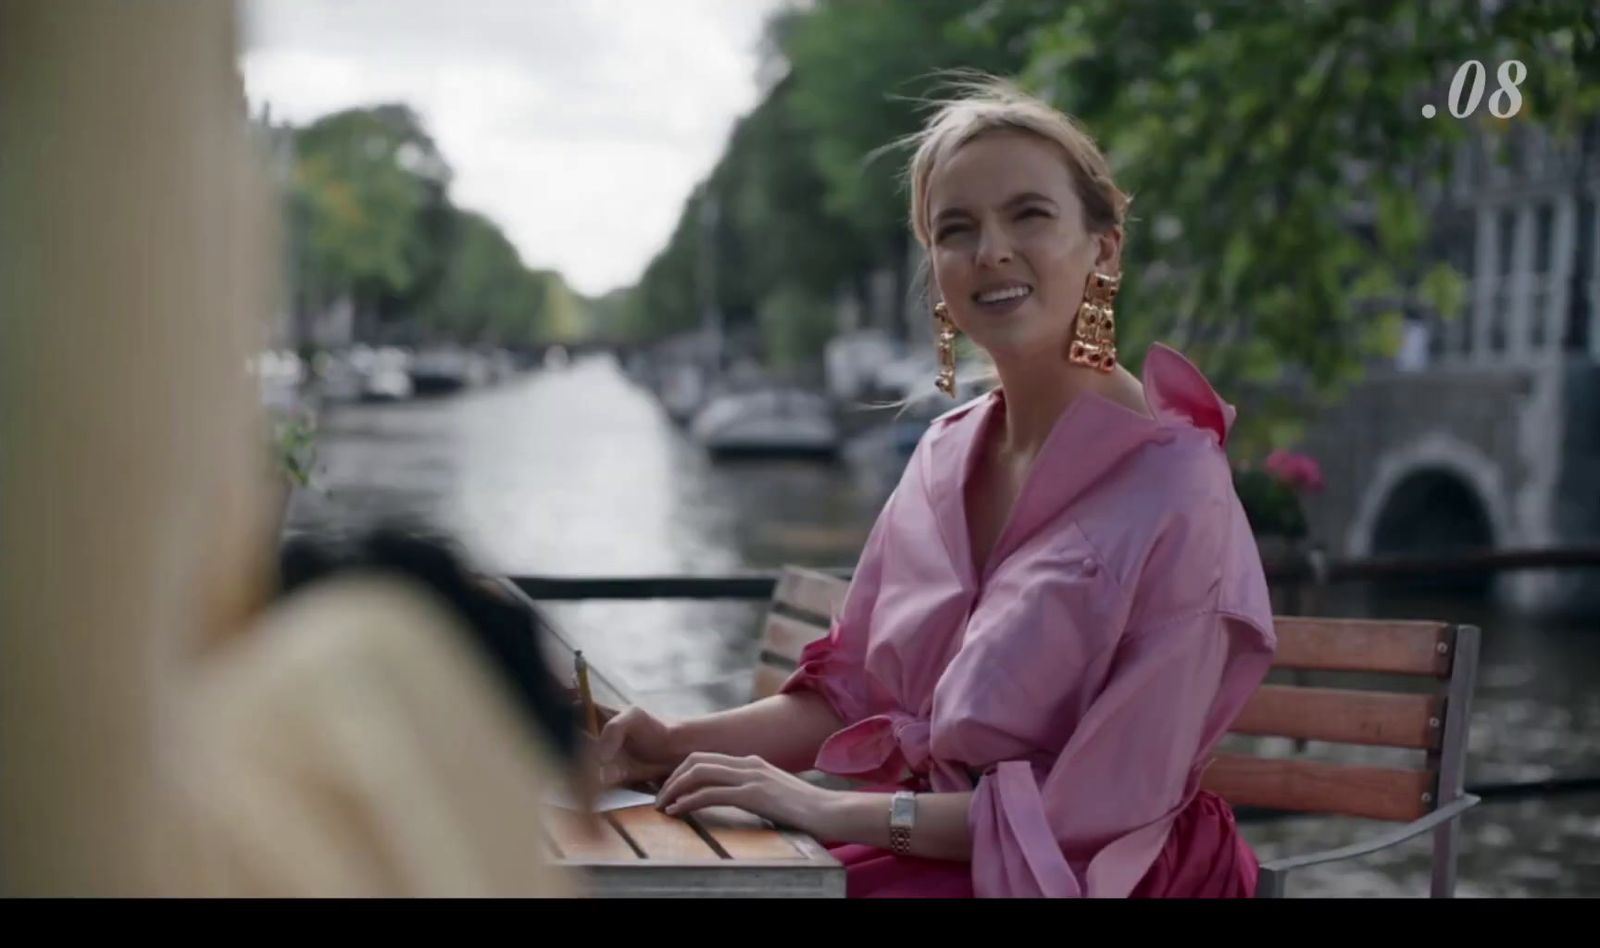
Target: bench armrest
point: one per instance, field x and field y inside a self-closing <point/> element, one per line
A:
<point x="1273" y="872"/>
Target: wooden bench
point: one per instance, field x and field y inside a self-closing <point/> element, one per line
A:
<point x="1430" y="724"/>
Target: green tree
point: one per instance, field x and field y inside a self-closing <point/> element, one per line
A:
<point x="666" y="299"/>
<point x="486" y="294"/>
<point x="800" y="209"/>
<point x="1277" y="156"/>
<point x="563" y="314"/>
<point x="372" y="220"/>
<point x="862" y="73"/>
<point x="1280" y="163"/>
<point x="371" y="204"/>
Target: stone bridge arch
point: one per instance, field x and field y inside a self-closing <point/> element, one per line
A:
<point x="1435" y="492"/>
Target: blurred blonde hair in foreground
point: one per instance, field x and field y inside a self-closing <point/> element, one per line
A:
<point x="162" y="734"/>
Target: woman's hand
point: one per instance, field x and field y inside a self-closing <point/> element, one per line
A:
<point x="634" y="747"/>
<point x="750" y="784"/>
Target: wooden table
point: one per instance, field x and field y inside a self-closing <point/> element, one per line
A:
<point x="716" y="852"/>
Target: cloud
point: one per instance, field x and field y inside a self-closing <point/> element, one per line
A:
<point x="579" y="125"/>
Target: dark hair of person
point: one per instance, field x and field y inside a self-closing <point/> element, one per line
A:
<point x="506" y="631"/>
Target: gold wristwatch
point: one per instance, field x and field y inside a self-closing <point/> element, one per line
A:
<point x="902" y="816"/>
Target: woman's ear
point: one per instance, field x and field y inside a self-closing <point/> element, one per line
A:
<point x="1108" y="251"/>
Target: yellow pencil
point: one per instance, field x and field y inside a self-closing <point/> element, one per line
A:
<point x="590" y="716"/>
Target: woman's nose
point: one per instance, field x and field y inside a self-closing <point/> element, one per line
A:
<point x="993" y="249"/>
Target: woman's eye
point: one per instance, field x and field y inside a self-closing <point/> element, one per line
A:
<point x="1034" y="212"/>
<point x="949" y="231"/>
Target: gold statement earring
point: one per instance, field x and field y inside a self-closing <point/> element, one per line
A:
<point x="944" y="343"/>
<point x="1094" y="331"/>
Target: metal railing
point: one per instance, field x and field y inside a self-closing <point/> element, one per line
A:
<point x="1308" y="568"/>
<point x="1312" y="567"/>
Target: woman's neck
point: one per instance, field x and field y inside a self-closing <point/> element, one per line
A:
<point x="1037" y="392"/>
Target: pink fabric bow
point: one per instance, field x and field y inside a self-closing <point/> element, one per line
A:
<point x="879" y="748"/>
<point x="882" y="748"/>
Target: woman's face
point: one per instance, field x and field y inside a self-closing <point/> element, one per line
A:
<point x="1010" y="250"/>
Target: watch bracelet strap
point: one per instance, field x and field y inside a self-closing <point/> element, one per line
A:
<point x="899" y="836"/>
<point x="900" y="840"/>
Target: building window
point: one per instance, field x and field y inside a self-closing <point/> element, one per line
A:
<point x="1581" y="306"/>
<point x="1461" y="252"/>
<point x="1543" y="234"/>
<point x="1508" y="240"/>
<point x="1544" y="217"/>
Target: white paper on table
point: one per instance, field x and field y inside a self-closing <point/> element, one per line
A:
<point x="616" y="798"/>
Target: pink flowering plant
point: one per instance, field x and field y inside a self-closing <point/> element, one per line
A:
<point x="1272" y="492"/>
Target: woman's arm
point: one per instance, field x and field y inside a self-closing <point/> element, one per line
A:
<point x="785" y="729"/>
<point x="941" y="831"/>
<point x="751" y="783"/>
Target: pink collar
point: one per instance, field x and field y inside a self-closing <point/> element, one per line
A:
<point x="1090" y="438"/>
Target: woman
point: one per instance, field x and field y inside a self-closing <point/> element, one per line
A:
<point x="1060" y="609"/>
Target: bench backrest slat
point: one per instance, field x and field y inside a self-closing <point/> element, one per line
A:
<point x="1314" y="786"/>
<point x="1343" y="716"/>
<point x="1365" y="645"/>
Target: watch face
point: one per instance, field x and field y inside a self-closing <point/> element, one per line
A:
<point x="902" y="809"/>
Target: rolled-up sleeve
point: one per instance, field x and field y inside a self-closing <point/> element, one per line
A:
<point x="1091" y="822"/>
<point x="834" y="665"/>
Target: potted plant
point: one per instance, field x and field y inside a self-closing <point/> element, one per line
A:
<point x="294" y="450"/>
<point x="1272" y="494"/>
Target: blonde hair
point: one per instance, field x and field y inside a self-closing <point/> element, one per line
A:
<point x="983" y="104"/>
<point x="990" y="104"/>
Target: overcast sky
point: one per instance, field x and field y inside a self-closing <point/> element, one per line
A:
<point x="579" y="125"/>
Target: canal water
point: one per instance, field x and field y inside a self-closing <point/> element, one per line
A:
<point x="578" y="472"/>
